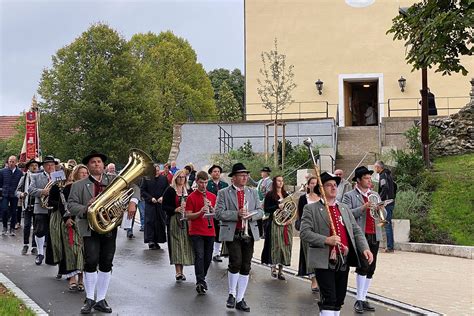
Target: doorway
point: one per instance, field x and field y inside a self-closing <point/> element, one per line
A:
<point x="361" y="103"/>
<point x="360" y="99"/>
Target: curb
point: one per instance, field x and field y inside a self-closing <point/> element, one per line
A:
<point x="22" y="296"/>
<point x="437" y="249"/>
<point x="412" y="309"/>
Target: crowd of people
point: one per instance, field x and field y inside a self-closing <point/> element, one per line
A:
<point x="202" y="218"/>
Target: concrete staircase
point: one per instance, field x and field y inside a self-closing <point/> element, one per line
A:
<point x="353" y="143"/>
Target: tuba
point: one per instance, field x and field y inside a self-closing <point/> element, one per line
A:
<point x="44" y="199"/>
<point x="375" y="212"/>
<point x="288" y="213"/>
<point x="106" y="212"/>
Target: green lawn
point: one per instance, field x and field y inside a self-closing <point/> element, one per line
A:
<point x="453" y="200"/>
<point x="11" y="305"/>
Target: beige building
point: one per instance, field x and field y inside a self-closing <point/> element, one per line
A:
<point x="344" y="45"/>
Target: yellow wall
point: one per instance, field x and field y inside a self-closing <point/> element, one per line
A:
<point x="327" y="38"/>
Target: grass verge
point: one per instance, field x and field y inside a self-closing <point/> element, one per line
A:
<point x="11" y="305"/>
<point x="452" y="206"/>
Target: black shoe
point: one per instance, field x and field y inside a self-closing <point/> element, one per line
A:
<point x="59" y="276"/>
<point x="102" y="306"/>
<point x="34" y="251"/>
<point x="368" y="307"/>
<point x="88" y="305"/>
<point x="151" y="246"/>
<point x="358" y="307"/>
<point x="130" y="236"/>
<point x="24" y="251"/>
<point x="157" y="246"/>
<point x="217" y="258"/>
<point x="242" y="306"/>
<point x="39" y="260"/>
<point x="200" y="289"/>
<point x="230" y="301"/>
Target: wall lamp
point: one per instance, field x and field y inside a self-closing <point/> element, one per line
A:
<point x="402" y="82"/>
<point x="319" y="86"/>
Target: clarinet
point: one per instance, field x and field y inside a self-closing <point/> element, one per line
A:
<point x="206" y="203"/>
<point x="245" y="222"/>
<point x="183" y="219"/>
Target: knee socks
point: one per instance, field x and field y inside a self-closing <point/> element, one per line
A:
<point x="217" y="248"/>
<point x="40" y="244"/>
<point x="360" y="282"/>
<point x="243" y="281"/>
<point x="90" y="280"/>
<point x="103" y="280"/>
<point x="233" y="278"/>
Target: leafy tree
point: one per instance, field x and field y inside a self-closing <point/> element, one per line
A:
<point x="275" y="89"/>
<point x="235" y="81"/>
<point x="436" y="32"/>
<point x="95" y="98"/>
<point x="227" y="106"/>
<point x="177" y="82"/>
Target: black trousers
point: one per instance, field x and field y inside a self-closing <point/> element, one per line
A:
<point x="9" y="205"/>
<point x="99" y="250"/>
<point x="29" y="217"/>
<point x="240" y="254"/>
<point x="332" y="287"/>
<point x="202" y="248"/>
<point x="366" y="268"/>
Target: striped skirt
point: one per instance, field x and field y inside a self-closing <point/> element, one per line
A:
<point x="179" y="244"/>
<point x="281" y="243"/>
<point x="66" y="243"/>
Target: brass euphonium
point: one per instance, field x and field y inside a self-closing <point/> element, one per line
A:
<point x="288" y="212"/>
<point x="107" y="211"/>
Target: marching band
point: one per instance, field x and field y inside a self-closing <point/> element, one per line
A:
<point x="79" y="214"/>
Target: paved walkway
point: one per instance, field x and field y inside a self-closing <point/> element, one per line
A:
<point x="438" y="283"/>
<point x="143" y="284"/>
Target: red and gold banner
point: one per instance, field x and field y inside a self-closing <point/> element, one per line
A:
<point x="31" y="136"/>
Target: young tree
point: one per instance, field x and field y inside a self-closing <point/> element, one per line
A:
<point x="275" y="88"/>
<point x="436" y="34"/>
<point x="227" y="107"/>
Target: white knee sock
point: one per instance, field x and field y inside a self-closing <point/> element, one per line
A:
<point x="217" y="249"/>
<point x="90" y="280"/>
<point x="243" y="281"/>
<point x="233" y="278"/>
<point x="366" y="287"/>
<point x="337" y="313"/>
<point x="325" y="312"/>
<point x="360" y="282"/>
<point x="103" y="280"/>
<point x="40" y="244"/>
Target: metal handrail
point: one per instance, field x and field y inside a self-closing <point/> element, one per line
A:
<point x="418" y="106"/>
<point x="360" y="162"/>
<point x="226" y="141"/>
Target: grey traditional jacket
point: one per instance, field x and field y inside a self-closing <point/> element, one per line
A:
<point x="343" y="188"/>
<point x="354" y="200"/>
<point x="81" y="193"/>
<point x="315" y="228"/>
<point x="38" y="182"/>
<point x="227" y="212"/>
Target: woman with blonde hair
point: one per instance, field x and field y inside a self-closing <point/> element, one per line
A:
<point x="65" y="238"/>
<point x="179" y="243"/>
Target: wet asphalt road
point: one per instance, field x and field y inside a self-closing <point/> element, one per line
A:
<point x="143" y="284"/>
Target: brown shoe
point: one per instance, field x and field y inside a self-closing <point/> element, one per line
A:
<point x="389" y="250"/>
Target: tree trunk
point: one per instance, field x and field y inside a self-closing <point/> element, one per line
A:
<point x="275" y="141"/>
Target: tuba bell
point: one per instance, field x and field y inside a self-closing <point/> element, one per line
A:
<point x="106" y="212"/>
<point x="375" y="212"/>
<point x="288" y="213"/>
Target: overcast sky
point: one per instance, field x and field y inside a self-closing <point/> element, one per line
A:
<point x="31" y="31"/>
